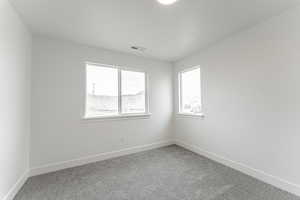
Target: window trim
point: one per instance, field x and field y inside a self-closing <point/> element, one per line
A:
<point x="179" y="112"/>
<point x="120" y="115"/>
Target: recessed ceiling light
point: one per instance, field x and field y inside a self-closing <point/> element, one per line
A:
<point x="167" y="2"/>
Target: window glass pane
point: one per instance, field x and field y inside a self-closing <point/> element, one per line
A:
<point x="191" y="92"/>
<point x="102" y="91"/>
<point x="133" y="92"/>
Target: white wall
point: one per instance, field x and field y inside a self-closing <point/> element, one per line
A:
<point x="251" y="98"/>
<point x="58" y="132"/>
<point x="15" y="55"/>
<point x="250" y="94"/>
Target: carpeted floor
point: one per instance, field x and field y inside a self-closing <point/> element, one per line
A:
<point x="169" y="173"/>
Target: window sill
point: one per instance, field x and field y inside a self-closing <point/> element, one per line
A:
<point x="117" y="117"/>
<point x="201" y="115"/>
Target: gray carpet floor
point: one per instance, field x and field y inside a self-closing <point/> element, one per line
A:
<point x="169" y="173"/>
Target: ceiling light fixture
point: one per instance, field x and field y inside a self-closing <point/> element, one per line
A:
<point x="166" y="2"/>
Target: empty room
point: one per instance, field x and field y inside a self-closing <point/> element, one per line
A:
<point x="150" y="99"/>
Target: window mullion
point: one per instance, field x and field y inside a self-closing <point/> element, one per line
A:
<point x="180" y="91"/>
<point x="146" y="93"/>
<point x="119" y="92"/>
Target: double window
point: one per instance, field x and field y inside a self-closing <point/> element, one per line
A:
<point x="190" y="91"/>
<point x="112" y="91"/>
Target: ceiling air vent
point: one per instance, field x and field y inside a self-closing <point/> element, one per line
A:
<point x="138" y="48"/>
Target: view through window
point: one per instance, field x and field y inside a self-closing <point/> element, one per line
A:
<point x="111" y="91"/>
<point x="190" y="91"/>
<point x="133" y="92"/>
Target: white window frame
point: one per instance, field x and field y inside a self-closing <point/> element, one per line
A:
<point x="120" y="115"/>
<point x="180" y="113"/>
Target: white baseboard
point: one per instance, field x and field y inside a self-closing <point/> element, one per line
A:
<point x="77" y="162"/>
<point x="258" y="174"/>
<point x="16" y="187"/>
<point x="95" y="158"/>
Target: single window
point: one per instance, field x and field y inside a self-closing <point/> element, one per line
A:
<point x="190" y="92"/>
<point x="111" y="91"/>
